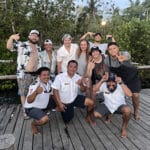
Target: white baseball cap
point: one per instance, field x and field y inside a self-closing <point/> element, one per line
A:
<point x="34" y="32"/>
<point x="48" y="41"/>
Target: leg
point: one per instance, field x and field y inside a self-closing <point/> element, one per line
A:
<point x="90" y="109"/>
<point x="136" y="101"/>
<point x="108" y="118"/>
<point x="36" y="123"/>
<point x="68" y="114"/>
<point x="126" y="116"/>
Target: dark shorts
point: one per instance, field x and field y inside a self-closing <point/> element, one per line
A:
<point x="37" y="113"/>
<point x="69" y="112"/>
<point x="103" y="110"/>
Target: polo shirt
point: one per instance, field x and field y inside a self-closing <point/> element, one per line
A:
<point x="113" y="100"/>
<point x="67" y="87"/>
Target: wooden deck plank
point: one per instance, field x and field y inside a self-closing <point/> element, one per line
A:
<point x="47" y="139"/>
<point x="86" y="141"/>
<point x="81" y="135"/>
<point x="89" y="131"/>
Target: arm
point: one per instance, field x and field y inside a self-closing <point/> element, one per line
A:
<point x="60" y="105"/>
<point x="59" y="67"/>
<point x="126" y="90"/>
<point x="14" y="37"/>
<point x="87" y="34"/>
<point x="98" y="85"/>
<point x="110" y="36"/>
<point x="32" y="97"/>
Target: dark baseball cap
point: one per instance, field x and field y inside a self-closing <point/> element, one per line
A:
<point x="95" y="48"/>
<point x="111" y="77"/>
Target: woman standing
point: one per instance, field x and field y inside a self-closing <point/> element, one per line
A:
<point x="82" y="57"/>
<point x="48" y="57"/>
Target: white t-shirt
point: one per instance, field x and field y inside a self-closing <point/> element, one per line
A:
<point x="67" y="87"/>
<point x="41" y="100"/>
<point x="64" y="57"/>
<point x="113" y="100"/>
<point x="102" y="47"/>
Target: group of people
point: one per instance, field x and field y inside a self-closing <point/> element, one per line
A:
<point x="76" y="75"/>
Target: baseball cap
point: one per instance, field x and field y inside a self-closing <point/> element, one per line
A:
<point x="95" y="48"/>
<point x="111" y="77"/>
<point x="34" y="32"/>
<point x="48" y="41"/>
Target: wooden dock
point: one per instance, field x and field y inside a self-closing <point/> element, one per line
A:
<point x="78" y="135"/>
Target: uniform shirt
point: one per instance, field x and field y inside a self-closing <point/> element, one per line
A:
<point x="67" y="87"/>
<point x="102" y="47"/>
<point x="64" y="57"/>
<point x="24" y="50"/>
<point x="45" y="61"/>
<point x="113" y="100"/>
<point x="42" y="99"/>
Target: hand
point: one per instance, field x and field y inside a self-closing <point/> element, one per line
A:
<point x="91" y="34"/>
<point x="118" y="80"/>
<point x="15" y="37"/>
<point x="104" y="78"/>
<point x="91" y="64"/>
<point x="108" y="36"/>
<point x="61" y="107"/>
<point x="121" y="58"/>
<point x="39" y="90"/>
<point x="86" y="82"/>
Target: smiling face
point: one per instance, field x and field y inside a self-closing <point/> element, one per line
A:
<point x="97" y="38"/>
<point x="113" y="50"/>
<point x="111" y="86"/>
<point x="72" y="68"/>
<point x="67" y="42"/>
<point x="48" y="47"/>
<point x="44" y="76"/>
<point x="83" y="46"/>
<point x="33" y="38"/>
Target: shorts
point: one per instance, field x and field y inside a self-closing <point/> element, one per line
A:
<point x="38" y="113"/>
<point x="69" y="111"/>
<point x="24" y="84"/>
<point x="103" y="110"/>
<point x="35" y="113"/>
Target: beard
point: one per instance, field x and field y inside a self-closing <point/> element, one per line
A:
<point x="111" y="90"/>
<point x="33" y="42"/>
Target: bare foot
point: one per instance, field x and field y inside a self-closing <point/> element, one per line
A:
<point x="107" y="119"/>
<point x="34" y="129"/>
<point x="137" y="116"/>
<point x="90" y="121"/>
<point x="123" y="133"/>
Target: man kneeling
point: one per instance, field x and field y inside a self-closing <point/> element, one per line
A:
<point x="114" y="91"/>
<point x="38" y="99"/>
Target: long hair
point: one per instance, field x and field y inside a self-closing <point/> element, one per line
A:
<point x="79" y="51"/>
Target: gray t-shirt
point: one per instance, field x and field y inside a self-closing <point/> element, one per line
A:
<point x="82" y="64"/>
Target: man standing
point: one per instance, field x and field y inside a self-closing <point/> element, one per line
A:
<point x="38" y="99"/>
<point x="27" y="60"/>
<point x="65" y="88"/>
<point x="121" y="65"/>
<point x="97" y="40"/>
<point x="114" y="91"/>
<point x="66" y="53"/>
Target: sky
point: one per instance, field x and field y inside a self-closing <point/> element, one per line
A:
<point x="120" y="3"/>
